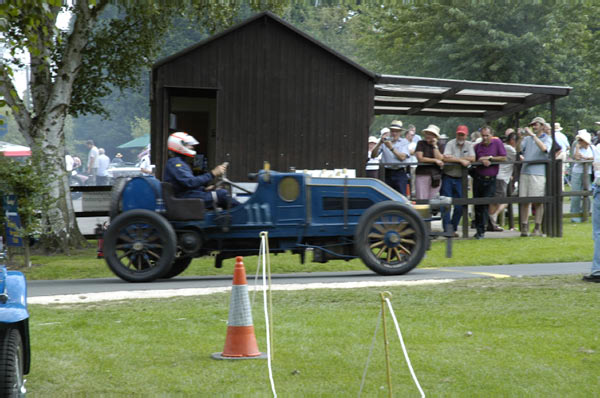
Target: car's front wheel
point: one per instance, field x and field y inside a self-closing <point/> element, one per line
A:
<point x="12" y="381"/>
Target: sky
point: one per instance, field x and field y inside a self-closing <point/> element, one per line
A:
<point x="20" y="77"/>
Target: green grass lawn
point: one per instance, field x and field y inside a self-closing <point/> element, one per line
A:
<point x="529" y="337"/>
<point x="575" y="245"/>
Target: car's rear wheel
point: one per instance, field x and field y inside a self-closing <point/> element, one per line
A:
<point x="139" y="246"/>
<point x="12" y="381"/>
<point x="390" y="238"/>
<point x="179" y="265"/>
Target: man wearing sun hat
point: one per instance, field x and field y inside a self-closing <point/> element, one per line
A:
<point x="561" y="139"/>
<point x="458" y="154"/>
<point x="532" y="182"/>
<point x="117" y="159"/>
<point x="394" y="152"/>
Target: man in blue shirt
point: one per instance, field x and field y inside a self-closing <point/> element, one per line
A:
<point x="394" y="151"/>
<point x="187" y="185"/>
<point x="535" y="146"/>
<point x="594" y="275"/>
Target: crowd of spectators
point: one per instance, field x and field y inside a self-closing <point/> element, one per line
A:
<point x="431" y="164"/>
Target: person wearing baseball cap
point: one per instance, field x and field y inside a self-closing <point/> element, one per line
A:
<point x="393" y="149"/>
<point x="458" y="154"/>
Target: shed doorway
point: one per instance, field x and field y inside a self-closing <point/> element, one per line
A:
<point x="195" y="112"/>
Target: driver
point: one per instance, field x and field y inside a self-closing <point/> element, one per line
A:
<point x="185" y="184"/>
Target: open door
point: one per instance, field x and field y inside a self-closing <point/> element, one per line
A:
<point x="195" y="112"/>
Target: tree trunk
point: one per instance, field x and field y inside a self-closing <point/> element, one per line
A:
<point x="26" y="252"/>
<point x="60" y="230"/>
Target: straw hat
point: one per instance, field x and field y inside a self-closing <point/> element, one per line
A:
<point x="433" y="129"/>
<point x="396" y="125"/>
<point x="538" y="120"/>
<point x="583" y="135"/>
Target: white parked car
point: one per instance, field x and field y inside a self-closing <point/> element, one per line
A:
<point x="124" y="169"/>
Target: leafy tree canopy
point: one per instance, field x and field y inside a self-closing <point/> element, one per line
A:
<point x="535" y="43"/>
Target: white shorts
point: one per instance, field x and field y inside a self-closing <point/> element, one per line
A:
<point x="532" y="185"/>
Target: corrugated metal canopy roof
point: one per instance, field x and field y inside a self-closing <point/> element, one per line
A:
<point x="421" y="96"/>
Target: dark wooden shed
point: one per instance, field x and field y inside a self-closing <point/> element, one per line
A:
<point x="264" y="91"/>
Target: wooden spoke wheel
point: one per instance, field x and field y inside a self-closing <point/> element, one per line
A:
<point x="139" y="246"/>
<point x="390" y="238"/>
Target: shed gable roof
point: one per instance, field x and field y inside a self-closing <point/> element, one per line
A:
<point x="271" y="17"/>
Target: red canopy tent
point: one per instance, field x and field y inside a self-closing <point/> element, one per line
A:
<point x="13" y="150"/>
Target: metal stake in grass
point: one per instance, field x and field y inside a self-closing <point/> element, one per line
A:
<point x="264" y="236"/>
<point x="386" y="343"/>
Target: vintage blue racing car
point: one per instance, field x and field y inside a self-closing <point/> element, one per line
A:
<point x="154" y="235"/>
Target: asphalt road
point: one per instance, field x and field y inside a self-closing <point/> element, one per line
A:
<point x="82" y="286"/>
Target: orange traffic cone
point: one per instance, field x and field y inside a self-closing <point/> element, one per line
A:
<point x="240" y="342"/>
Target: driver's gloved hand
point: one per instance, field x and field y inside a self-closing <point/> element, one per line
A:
<point x="219" y="170"/>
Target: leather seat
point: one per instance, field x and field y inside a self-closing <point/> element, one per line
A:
<point x="181" y="209"/>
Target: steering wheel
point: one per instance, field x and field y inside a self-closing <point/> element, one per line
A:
<point x="222" y="181"/>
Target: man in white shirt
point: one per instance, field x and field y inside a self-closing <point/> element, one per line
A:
<point x="582" y="152"/>
<point x="102" y="170"/>
<point x="563" y="142"/>
<point x="92" y="164"/>
<point x="69" y="163"/>
<point x="145" y="164"/>
<point x="372" y="168"/>
<point x="413" y="138"/>
<point x="503" y="180"/>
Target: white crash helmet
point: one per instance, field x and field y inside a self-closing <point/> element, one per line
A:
<point x="178" y="142"/>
